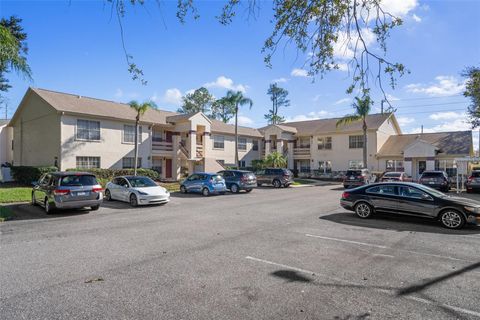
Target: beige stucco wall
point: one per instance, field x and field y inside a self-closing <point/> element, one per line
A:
<point x="111" y="148"/>
<point x="6" y="136"/>
<point x="386" y="130"/>
<point x="228" y="152"/>
<point x="36" y="133"/>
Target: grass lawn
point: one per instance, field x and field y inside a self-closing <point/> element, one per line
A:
<point x="297" y="182"/>
<point x="171" y="186"/>
<point x="15" y="194"/>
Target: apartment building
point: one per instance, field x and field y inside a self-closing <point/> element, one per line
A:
<point x="71" y="131"/>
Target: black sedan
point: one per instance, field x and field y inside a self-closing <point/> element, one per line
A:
<point x="412" y="199"/>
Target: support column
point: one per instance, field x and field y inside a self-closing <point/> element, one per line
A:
<point x="267" y="147"/>
<point x="176" y="157"/>
<point x="207" y="144"/>
<point x="407" y="166"/>
<point x="280" y="146"/>
<point x="164" y="168"/>
<point x="192" y="144"/>
<point x="290" y="160"/>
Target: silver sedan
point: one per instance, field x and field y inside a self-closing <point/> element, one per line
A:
<point x="136" y="190"/>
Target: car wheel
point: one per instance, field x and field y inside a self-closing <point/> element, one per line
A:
<point x="205" y="192"/>
<point x="277" y="183"/>
<point x="452" y="219"/>
<point x="183" y="189"/>
<point x="133" y="200"/>
<point x="363" y="210"/>
<point x="108" y="195"/>
<point x="234" y="188"/>
<point x="95" y="208"/>
<point x="47" y="207"/>
<point x="248" y="190"/>
<point x="34" y="201"/>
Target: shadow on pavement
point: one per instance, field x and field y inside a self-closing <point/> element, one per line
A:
<point x="290" y="276"/>
<point x="116" y="205"/>
<point x="398" y="223"/>
<point x="26" y="211"/>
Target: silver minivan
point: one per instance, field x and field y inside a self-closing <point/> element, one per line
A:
<point x="67" y="190"/>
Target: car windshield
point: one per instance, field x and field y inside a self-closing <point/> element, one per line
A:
<point x="432" y="191"/>
<point x="476" y="174"/>
<point x="78" y="180"/>
<point x="354" y="173"/>
<point x="392" y="174"/>
<point x="286" y="171"/>
<point x="431" y="174"/>
<point x="141" y="182"/>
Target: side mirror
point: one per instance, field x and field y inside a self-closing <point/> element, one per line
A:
<point x="426" y="197"/>
<point x="125" y="186"/>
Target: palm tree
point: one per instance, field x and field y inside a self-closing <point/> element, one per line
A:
<point x="361" y="107"/>
<point x="276" y="160"/>
<point x="237" y="99"/>
<point x="140" y="109"/>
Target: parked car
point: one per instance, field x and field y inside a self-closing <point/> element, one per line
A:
<point x="237" y="180"/>
<point x="473" y="181"/>
<point x="435" y="179"/>
<point x="395" y="176"/>
<point x="356" y="177"/>
<point x="67" y="190"/>
<point x="413" y="199"/>
<point x="136" y="190"/>
<point x="204" y="183"/>
<point x="277" y="177"/>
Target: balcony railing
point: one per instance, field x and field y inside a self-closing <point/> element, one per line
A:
<point x="161" y="145"/>
<point x="301" y="151"/>
<point x="199" y="151"/>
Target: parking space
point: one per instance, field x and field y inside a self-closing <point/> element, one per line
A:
<point x="271" y="254"/>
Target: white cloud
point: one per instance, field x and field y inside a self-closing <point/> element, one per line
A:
<point x="398" y="8"/>
<point x="173" y="96"/>
<point x="342" y="66"/>
<point x="403" y="121"/>
<point x="280" y="80"/>
<point x="447" y="115"/>
<point x="311" y="116"/>
<point x="391" y="97"/>
<point x="342" y="101"/>
<point x="416" y="18"/>
<point x="443" y="86"/>
<point x="343" y="48"/>
<point x="456" y="125"/>
<point x="242" y="121"/>
<point x="154" y="97"/>
<point x="226" y="83"/>
<point x="118" y="93"/>
<point x="299" y="73"/>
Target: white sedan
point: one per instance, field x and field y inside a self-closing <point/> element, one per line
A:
<point x="136" y="190"/>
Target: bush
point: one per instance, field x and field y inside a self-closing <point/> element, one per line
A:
<point x="108" y="174"/>
<point x="27" y="174"/>
<point x="258" y="164"/>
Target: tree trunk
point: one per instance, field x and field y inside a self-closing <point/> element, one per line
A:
<point x="236" y="136"/>
<point x="136" y="148"/>
<point x="365" y="144"/>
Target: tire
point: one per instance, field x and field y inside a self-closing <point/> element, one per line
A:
<point x="363" y="210"/>
<point x="248" y="190"/>
<point x="452" y="219"/>
<point x="205" y="192"/>
<point x="234" y="188"/>
<point x="183" y="189"/>
<point x="108" y="195"/>
<point x="46" y="204"/>
<point x="133" y="200"/>
<point x="34" y="201"/>
<point x="276" y="183"/>
<point x="95" y="208"/>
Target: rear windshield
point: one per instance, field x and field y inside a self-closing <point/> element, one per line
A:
<point x="216" y="177"/>
<point x="141" y="182"/>
<point x="432" y="174"/>
<point x="392" y="174"/>
<point x="286" y="171"/>
<point x="476" y="174"/>
<point x="78" y="180"/>
<point x="354" y="173"/>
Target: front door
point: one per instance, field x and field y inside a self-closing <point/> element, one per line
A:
<point x="168" y="136"/>
<point x="168" y="168"/>
<point x="422" y="166"/>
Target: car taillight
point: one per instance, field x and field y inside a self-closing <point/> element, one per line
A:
<point x="61" y="192"/>
<point x="345" y="195"/>
<point x="96" y="189"/>
<point x="469" y="179"/>
<point x="360" y="177"/>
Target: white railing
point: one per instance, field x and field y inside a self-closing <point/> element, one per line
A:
<point x="301" y="151"/>
<point x="162" y="146"/>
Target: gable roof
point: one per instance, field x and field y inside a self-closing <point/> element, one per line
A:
<point x="221" y="127"/>
<point x="323" y="126"/>
<point x="453" y="143"/>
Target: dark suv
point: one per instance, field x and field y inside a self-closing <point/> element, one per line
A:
<point x="276" y="177"/>
<point x="356" y="177"/>
<point x="435" y="179"/>
<point x="473" y="181"/>
<point x="237" y="180"/>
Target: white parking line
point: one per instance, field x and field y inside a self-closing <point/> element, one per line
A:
<point x="389" y="292"/>
<point x="390" y="248"/>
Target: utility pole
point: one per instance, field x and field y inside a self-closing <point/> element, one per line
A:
<point x="382" y="105"/>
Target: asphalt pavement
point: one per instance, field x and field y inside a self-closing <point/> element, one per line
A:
<point x="271" y="254"/>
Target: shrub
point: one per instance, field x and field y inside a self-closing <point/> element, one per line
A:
<point x="108" y="174"/>
<point x="27" y="174"/>
<point x="258" y="164"/>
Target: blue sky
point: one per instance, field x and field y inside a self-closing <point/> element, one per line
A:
<point x="75" y="46"/>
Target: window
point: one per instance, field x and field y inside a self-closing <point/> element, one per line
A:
<point x="325" y="166"/>
<point x="88" y="130"/>
<point x="218" y="142"/>
<point x="446" y="165"/>
<point x="303" y="142"/>
<point x="394" y="165"/>
<point x="410" y="192"/>
<point x="88" y="162"/>
<point x="241" y="163"/>
<point x="242" y="143"/>
<point x="304" y="166"/>
<point x="355" y="164"/>
<point x="129" y="133"/>
<point x="78" y="180"/>
<point x="386" y="189"/>
<point x="129" y="162"/>
<point x="325" y="143"/>
<point x="355" y="142"/>
<point x="255" y="145"/>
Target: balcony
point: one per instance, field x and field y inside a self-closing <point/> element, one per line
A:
<point x="161" y="147"/>
<point x="199" y="151"/>
<point x="301" y="153"/>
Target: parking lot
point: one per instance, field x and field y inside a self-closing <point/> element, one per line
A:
<point x="271" y="254"/>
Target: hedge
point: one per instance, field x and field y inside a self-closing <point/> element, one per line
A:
<point x="108" y="174"/>
<point x="27" y="174"/>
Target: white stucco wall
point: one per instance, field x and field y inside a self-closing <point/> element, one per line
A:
<point x="6" y="136"/>
<point x="228" y="152"/>
<point x="386" y="130"/>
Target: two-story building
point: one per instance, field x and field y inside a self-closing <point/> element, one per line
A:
<point x="71" y="131"/>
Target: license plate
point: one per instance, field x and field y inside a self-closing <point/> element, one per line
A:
<point x="351" y="178"/>
<point x="81" y="193"/>
<point x="431" y="182"/>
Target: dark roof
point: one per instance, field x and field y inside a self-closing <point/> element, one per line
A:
<point x="453" y="143"/>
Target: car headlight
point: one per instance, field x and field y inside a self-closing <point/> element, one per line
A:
<point x="142" y="193"/>
<point x="472" y="209"/>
